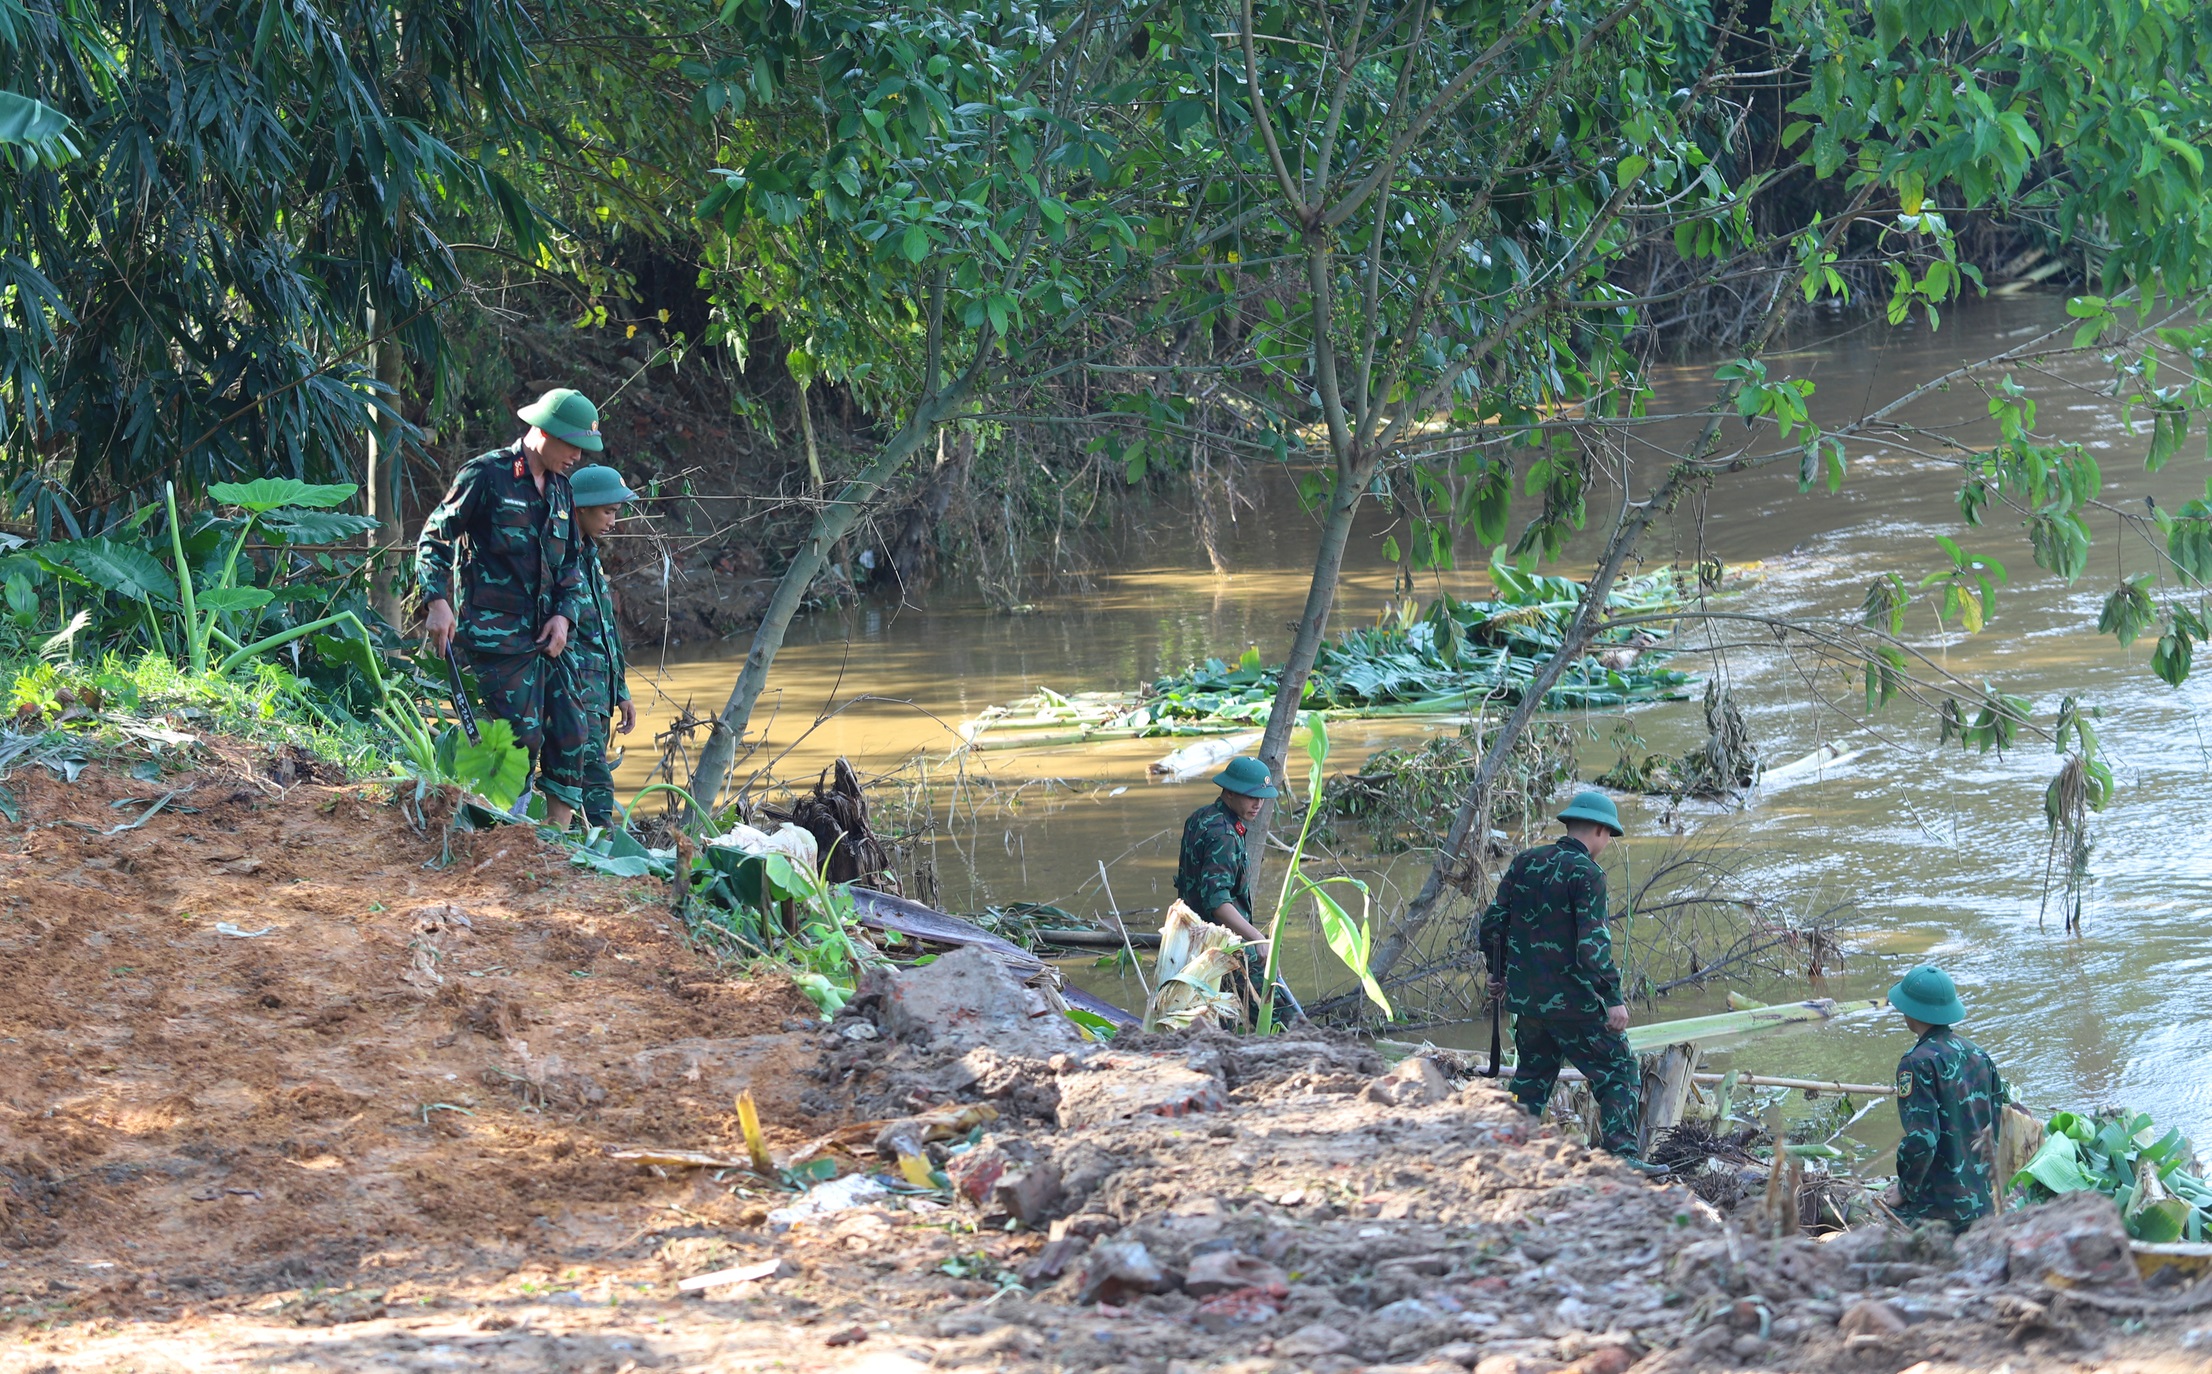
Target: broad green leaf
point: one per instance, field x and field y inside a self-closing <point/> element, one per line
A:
<point x="2056" y="1167"/>
<point x="494" y="769"/>
<point x="2161" y="1222"/>
<point x="1351" y="943"/>
<point x="122" y="568"/>
<point x="291" y="525"/>
<point x="234" y="599"/>
<point x="39" y="129"/>
<point x="264" y="494"/>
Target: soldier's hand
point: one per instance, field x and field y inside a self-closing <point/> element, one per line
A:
<point x="438" y="624"/>
<point x="554" y="636"/>
<point x="1616" y="1018"/>
<point x="629" y="717"/>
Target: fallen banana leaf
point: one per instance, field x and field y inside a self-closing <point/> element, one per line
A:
<point x="942" y="1124"/>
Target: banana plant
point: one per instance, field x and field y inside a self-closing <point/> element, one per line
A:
<point x="1351" y="941"/>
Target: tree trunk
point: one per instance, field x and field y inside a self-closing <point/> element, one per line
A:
<point x="380" y="487"/>
<point x="836" y="518"/>
<point x="1666" y="1092"/>
<point x="1305" y="646"/>
<point x="1474" y="808"/>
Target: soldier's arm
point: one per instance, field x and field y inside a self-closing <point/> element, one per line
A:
<point x="434" y="549"/>
<point x="1922" y="1120"/>
<point x="1491" y="933"/>
<point x="568" y="584"/>
<point x="1593" y="965"/>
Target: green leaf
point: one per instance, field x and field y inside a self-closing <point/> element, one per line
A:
<point x="1099" y="1027"/>
<point x="914" y="245"/>
<point x="2161" y="1222"/>
<point x="234" y="598"/>
<point x="495" y="768"/>
<point x="125" y="569"/>
<point x="2056" y="1167"/>
<point x="291" y="525"/>
<point x="1351" y="944"/>
<point x="265" y="494"/>
<point x="37" y="128"/>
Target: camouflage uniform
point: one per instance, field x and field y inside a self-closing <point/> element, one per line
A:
<point x="521" y="567"/>
<point x="1210" y="870"/>
<point x="1948" y="1095"/>
<point x="1549" y="914"/>
<point x="590" y="682"/>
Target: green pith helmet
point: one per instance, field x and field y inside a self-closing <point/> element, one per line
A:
<point x="599" y="485"/>
<point x="1927" y="994"/>
<point x="1246" y="778"/>
<point x="566" y="414"/>
<point x="1595" y="807"/>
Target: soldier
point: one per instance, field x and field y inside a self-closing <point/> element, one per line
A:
<point x="520" y="574"/>
<point x="590" y="680"/>
<point x="1949" y="1097"/>
<point x="1210" y="875"/>
<point x="1550" y="957"/>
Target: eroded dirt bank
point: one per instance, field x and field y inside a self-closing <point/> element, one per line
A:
<point x="376" y="1137"/>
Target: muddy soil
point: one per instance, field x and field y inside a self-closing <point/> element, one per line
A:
<point x="377" y="1137"/>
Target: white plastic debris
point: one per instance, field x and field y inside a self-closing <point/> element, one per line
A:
<point x="793" y="842"/>
<point x="838" y="1195"/>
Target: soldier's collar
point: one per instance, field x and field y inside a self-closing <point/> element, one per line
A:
<point x="1570" y="842"/>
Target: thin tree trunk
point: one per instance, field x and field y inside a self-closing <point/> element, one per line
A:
<point x="1305" y="646"/>
<point x="836" y="519"/>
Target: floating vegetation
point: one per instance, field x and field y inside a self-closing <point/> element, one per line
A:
<point x="1453" y="656"/>
<point x="1402" y="798"/>
<point x="1723" y="768"/>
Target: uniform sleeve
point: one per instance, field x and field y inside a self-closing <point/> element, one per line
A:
<point x="615" y="655"/>
<point x="568" y="583"/>
<point x="1491" y="933"/>
<point x="1217" y="874"/>
<point x="1921" y="1118"/>
<point x="434" y="552"/>
<point x="1593" y="966"/>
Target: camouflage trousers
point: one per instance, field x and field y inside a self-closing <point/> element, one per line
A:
<point x="525" y="691"/>
<point x="1603" y="1056"/>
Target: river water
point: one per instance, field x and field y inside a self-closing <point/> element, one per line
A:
<point x="1940" y="855"/>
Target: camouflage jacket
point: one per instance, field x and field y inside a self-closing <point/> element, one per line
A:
<point x="1210" y="869"/>
<point x="1948" y="1095"/>
<point x="1550" y="913"/>
<point x="595" y="662"/>
<point x="520" y="555"/>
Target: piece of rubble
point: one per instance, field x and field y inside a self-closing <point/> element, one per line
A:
<point x="1417" y="1082"/>
<point x="1224" y="1271"/>
<point x="1116" y="1271"/>
<point x="1115" y="1086"/>
<point x="1058" y="1256"/>
<point x="1251" y="1306"/>
<point x="2074" y="1241"/>
<point x="967" y="998"/>
<point x="1871" y="1317"/>
<point x="1311" y="1342"/>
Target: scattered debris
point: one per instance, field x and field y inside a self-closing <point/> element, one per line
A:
<point x="723" y="1278"/>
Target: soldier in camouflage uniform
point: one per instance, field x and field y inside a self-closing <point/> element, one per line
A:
<point x="504" y="540"/>
<point x="590" y="681"/>
<point x="1949" y="1100"/>
<point x="1550" y="957"/>
<point x="1210" y="875"/>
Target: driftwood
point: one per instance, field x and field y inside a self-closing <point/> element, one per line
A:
<point x="883" y="911"/>
<point x="1668" y="1080"/>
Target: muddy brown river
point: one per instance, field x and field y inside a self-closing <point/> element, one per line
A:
<point x="1940" y="855"/>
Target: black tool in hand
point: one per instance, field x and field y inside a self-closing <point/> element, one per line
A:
<point x="461" y="705"/>
<point x="1496" y="992"/>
